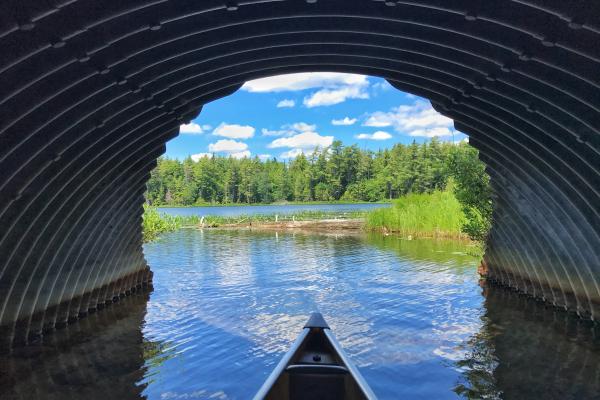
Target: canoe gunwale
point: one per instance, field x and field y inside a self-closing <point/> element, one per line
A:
<point x="315" y="324"/>
<point x="280" y="368"/>
<point x="360" y="381"/>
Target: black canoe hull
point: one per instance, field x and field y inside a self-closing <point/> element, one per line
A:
<point x="315" y="368"/>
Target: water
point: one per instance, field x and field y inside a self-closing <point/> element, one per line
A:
<point x="226" y="306"/>
<point x="284" y="209"/>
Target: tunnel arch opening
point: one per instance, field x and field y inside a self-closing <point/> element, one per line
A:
<point x="91" y="92"/>
<point x="525" y="280"/>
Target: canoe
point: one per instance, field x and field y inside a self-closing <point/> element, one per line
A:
<point x="315" y="368"/>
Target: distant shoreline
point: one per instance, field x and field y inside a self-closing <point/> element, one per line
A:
<point x="354" y="225"/>
<point x="290" y="203"/>
<point x="435" y="215"/>
<point x="328" y="225"/>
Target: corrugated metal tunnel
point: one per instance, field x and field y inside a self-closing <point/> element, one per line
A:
<point x="91" y="90"/>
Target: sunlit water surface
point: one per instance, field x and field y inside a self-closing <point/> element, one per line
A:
<point x="226" y="306"/>
<point x="230" y="304"/>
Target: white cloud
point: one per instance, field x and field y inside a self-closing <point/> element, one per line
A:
<point x="432" y="132"/>
<point x="206" y="127"/>
<point x="304" y="140"/>
<point x="382" y="86"/>
<point x="298" y="137"/>
<point x="241" y="154"/>
<point x="264" y="157"/>
<point x="190" y="129"/>
<point x="345" y="121"/>
<point x="300" y="127"/>
<point x="302" y="81"/>
<point x="289" y="129"/>
<point x="234" y="131"/>
<point x="378" y="119"/>
<point x="286" y="103"/>
<point x="197" y="157"/>
<point x="417" y="119"/>
<point x="268" y="132"/>
<point x="334" y="87"/>
<point x="329" y="97"/>
<point x="227" y="146"/>
<point x="379" y="135"/>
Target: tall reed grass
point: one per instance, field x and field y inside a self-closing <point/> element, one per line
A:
<point x="438" y="214"/>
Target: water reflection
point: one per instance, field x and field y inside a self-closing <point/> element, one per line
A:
<point x="100" y="357"/>
<point x="526" y="350"/>
<point x="226" y="305"/>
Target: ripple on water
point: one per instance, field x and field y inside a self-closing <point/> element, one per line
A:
<point x="244" y="297"/>
<point x="227" y="305"/>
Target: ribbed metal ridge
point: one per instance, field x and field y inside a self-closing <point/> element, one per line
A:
<point x="92" y="89"/>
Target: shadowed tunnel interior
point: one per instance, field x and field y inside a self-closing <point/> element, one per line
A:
<point x="92" y="90"/>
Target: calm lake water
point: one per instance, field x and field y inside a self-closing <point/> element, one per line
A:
<point x="227" y="305"/>
<point x="287" y="209"/>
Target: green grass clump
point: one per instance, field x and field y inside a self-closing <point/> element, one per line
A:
<point x="155" y="223"/>
<point x="437" y="214"/>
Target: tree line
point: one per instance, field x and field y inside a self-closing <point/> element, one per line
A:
<point x="338" y="172"/>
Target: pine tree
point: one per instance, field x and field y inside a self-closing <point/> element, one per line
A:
<point x="337" y="172"/>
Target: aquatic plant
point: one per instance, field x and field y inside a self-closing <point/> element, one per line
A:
<point x="155" y="223"/>
<point x="437" y="214"/>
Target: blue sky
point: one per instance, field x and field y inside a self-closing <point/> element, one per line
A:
<point x="282" y="116"/>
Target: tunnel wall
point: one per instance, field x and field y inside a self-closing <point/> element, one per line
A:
<point x="91" y="90"/>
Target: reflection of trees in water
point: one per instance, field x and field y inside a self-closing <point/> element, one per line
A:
<point x="439" y="251"/>
<point x="426" y="250"/>
<point x="155" y="353"/>
<point x="524" y="349"/>
<point x="528" y="350"/>
<point x="478" y="366"/>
